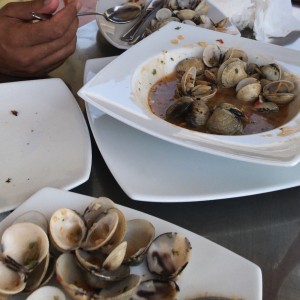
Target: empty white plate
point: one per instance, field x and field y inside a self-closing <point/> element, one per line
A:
<point x="44" y="140"/>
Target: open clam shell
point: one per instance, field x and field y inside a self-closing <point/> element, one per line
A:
<point x="36" y="277"/>
<point x="102" y="230"/>
<point x="123" y="289"/>
<point x="67" y="229"/>
<point x="279" y="92"/>
<point x="139" y="235"/>
<point x="72" y="277"/>
<point x="24" y="245"/>
<point x="96" y="208"/>
<point x="168" y="255"/>
<point x="157" y="289"/>
<point x="248" y="89"/>
<point x="47" y="293"/>
<point x="212" y="56"/>
<point x="119" y="233"/>
<point x="231" y="72"/>
<point x="35" y="217"/>
<point x="12" y="282"/>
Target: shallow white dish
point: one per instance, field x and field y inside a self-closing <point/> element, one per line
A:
<point x="112" y="32"/>
<point x="121" y="90"/>
<point x="46" y="144"/>
<point x="147" y="168"/>
<point x="219" y="271"/>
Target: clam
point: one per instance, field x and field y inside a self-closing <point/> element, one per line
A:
<point x="95" y="208"/>
<point x="212" y="55"/>
<point x="231" y="72"/>
<point x="47" y="293"/>
<point x="179" y="108"/>
<point x="123" y="289"/>
<point x="99" y="269"/>
<point x="202" y="8"/>
<point x="139" y="235"/>
<point x="186" y="14"/>
<point x="248" y="89"/>
<point x="236" y="53"/>
<point x="279" y="92"/>
<point x="72" y="277"/>
<point x="102" y="230"/>
<point x="198" y="114"/>
<point x="168" y="255"/>
<point x="67" y="229"/>
<point x="163" y="14"/>
<point x="271" y="71"/>
<point x="37" y="275"/>
<point x="119" y="233"/>
<point x="265" y="106"/>
<point x="225" y="119"/>
<point x="188" y="80"/>
<point x="24" y="246"/>
<point x="12" y="282"/>
<point x="34" y="217"/>
<point x="185" y="64"/>
<point x="153" y="289"/>
<point x="203" y="90"/>
<point x="97" y="260"/>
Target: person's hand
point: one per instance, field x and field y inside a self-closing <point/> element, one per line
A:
<point x="30" y="48"/>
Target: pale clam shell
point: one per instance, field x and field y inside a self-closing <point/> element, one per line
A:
<point x="67" y="229"/>
<point x="47" y="293"/>
<point x="11" y="282"/>
<point x="25" y="244"/>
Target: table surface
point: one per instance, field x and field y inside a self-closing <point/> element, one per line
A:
<point x="264" y="229"/>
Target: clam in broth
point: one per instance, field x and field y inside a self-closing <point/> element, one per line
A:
<point x="228" y="96"/>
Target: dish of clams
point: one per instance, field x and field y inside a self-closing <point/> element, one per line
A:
<point x="96" y="249"/>
<point x="220" y="92"/>
<point x="198" y="13"/>
<point x="239" y="100"/>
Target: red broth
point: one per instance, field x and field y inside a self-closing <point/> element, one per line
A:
<point x="161" y="96"/>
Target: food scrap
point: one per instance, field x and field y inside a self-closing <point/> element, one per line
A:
<point x="14" y="112"/>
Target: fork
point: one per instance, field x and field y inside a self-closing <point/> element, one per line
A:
<point x="286" y="40"/>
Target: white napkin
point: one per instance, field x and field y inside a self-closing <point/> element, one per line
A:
<point x="268" y="18"/>
<point x="274" y="18"/>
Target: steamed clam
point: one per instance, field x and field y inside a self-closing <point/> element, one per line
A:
<point x="226" y="119"/>
<point x="24" y="259"/>
<point x="168" y="255"/>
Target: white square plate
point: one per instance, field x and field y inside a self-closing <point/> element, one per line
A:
<point x="121" y="90"/>
<point x="150" y="169"/>
<point x="212" y="269"/>
<point x="45" y="143"/>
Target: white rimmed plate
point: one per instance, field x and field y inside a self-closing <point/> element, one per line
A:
<point x="121" y="90"/>
<point x="219" y="271"/>
<point x="147" y="168"/>
<point x="44" y="140"/>
<point x="112" y="32"/>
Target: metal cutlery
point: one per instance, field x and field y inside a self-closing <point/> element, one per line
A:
<point x="143" y="20"/>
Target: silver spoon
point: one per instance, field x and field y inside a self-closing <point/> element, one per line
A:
<point x="118" y="14"/>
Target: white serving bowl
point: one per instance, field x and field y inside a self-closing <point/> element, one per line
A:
<point x="121" y="90"/>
